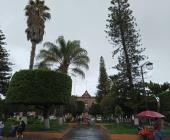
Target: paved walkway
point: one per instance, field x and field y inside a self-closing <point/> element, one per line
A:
<point x="85" y="133"/>
<point x="79" y="133"/>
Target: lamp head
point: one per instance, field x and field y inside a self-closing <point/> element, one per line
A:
<point x="149" y="66"/>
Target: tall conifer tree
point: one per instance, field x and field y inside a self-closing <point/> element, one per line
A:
<point x="4" y="65"/>
<point x="121" y="28"/>
<point x="104" y="84"/>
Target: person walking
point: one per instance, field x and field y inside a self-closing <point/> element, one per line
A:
<point x="1" y="128"/>
<point x="20" y="129"/>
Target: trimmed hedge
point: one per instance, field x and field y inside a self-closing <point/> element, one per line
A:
<point x="42" y="87"/>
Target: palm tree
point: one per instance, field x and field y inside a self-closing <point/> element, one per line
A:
<point x="37" y="13"/>
<point x="42" y="65"/>
<point x="67" y="55"/>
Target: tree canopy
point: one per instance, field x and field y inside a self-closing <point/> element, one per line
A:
<point x="39" y="87"/>
<point x="121" y="28"/>
<point x="37" y="13"/>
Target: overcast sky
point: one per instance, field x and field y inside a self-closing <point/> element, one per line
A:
<point x="85" y="20"/>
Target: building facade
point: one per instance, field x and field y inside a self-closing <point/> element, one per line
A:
<point x="87" y="99"/>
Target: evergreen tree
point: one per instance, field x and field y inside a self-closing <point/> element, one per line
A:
<point x="104" y="84"/>
<point x="156" y="88"/>
<point x="121" y="28"/>
<point x="4" y="65"/>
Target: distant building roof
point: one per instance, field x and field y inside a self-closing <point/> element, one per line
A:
<point x="86" y="95"/>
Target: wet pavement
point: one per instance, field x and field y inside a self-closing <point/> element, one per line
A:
<point x="78" y="133"/>
<point x="85" y="133"/>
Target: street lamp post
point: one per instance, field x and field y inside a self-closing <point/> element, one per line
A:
<point x="149" y="66"/>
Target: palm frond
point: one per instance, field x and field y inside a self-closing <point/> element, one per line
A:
<point x="42" y="54"/>
<point x="42" y="65"/>
<point x="68" y="55"/>
<point x="55" y="50"/>
<point x="46" y="16"/>
<point x="48" y="56"/>
<point x="49" y="45"/>
<point x="62" y="44"/>
<point x="78" y="52"/>
<point x="79" y="72"/>
<point x="83" y="57"/>
<point x="81" y="64"/>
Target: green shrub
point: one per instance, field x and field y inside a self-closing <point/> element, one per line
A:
<point x="39" y="87"/>
<point x="34" y="120"/>
<point x="12" y="120"/>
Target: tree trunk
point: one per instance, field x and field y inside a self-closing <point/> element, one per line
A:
<point x="25" y="119"/>
<point x="46" y="123"/>
<point x="32" y="56"/>
<point x="61" y="115"/>
<point x="46" y="119"/>
<point x="128" y="65"/>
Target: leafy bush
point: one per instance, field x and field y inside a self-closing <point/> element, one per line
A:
<point x="39" y="87"/>
<point x="34" y="120"/>
<point x="12" y="120"/>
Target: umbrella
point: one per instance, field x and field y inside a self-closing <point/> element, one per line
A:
<point x="150" y="114"/>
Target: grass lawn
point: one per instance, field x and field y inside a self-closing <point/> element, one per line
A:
<point x="54" y="126"/>
<point x="165" y="131"/>
<point x="121" y="128"/>
<point x="130" y="129"/>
